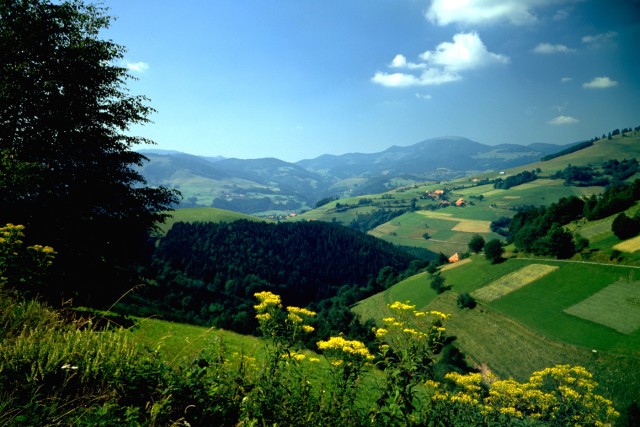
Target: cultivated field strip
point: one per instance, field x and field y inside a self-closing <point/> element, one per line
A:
<point x="513" y="281"/>
<point x="617" y="306"/>
<point x="630" y="245"/>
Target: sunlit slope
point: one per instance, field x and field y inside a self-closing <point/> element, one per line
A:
<point x="449" y="229"/>
<point x="560" y="317"/>
<point x="625" y="146"/>
<point x="204" y="215"/>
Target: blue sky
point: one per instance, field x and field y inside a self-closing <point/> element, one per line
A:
<point x="295" y="79"/>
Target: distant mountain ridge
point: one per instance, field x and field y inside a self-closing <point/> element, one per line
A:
<point x="270" y="186"/>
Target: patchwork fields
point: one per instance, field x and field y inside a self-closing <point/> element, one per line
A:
<point x="534" y="314"/>
<point x="513" y="281"/>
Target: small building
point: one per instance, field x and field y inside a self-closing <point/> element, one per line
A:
<point x="461" y="202"/>
<point x="454" y="258"/>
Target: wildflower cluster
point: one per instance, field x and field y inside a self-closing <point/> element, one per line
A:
<point x="560" y="395"/>
<point x="282" y="326"/>
<point x="408" y="343"/>
<point x="20" y="264"/>
<point x="348" y="349"/>
<point x="267" y="300"/>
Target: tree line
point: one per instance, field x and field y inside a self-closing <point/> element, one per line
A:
<point x="539" y="230"/>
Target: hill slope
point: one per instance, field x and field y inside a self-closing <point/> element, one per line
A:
<point x="271" y="186"/>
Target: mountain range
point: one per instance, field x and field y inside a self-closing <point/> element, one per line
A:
<point x="272" y="187"/>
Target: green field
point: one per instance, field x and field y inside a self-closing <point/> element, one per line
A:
<point x="513" y="281"/>
<point x="529" y="329"/>
<point x="616" y="306"/>
<point x="204" y="215"/>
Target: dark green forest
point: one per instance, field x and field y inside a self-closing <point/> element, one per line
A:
<point x="207" y="273"/>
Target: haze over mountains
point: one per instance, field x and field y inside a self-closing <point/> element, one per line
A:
<point x="272" y="186"/>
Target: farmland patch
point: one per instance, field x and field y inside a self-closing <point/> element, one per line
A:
<point x="513" y="281"/>
<point x="473" y="226"/>
<point x="456" y="264"/>
<point x="595" y="229"/>
<point x="630" y="245"/>
<point x="617" y="306"/>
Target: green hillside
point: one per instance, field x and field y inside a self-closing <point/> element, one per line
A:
<point x="533" y="312"/>
<point x="450" y="227"/>
<point x="204" y="215"/>
<point x="623" y="146"/>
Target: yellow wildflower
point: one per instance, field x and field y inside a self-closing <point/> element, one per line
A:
<point x="267" y="299"/>
<point x="380" y="332"/>
<point x="401" y="306"/>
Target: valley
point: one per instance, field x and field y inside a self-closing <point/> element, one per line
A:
<point x="532" y="311"/>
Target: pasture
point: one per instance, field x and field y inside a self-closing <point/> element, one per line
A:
<point x="629" y="245"/>
<point x="513" y="281"/>
<point x="528" y="329"/>
<point x="616" y="306"/>
<point x="203" y="215"/>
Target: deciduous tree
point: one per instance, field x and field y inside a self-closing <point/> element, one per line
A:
<point x="493" y="250"/>
<point x="68" y="172"/>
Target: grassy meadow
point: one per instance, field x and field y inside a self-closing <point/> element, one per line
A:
<point x="532" y="326"/>
<point x="204" y="215"/>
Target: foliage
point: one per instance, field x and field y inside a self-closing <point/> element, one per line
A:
<point x="476" y="244"/>
<point x="581" y="176"/>
<point x="611" y="171"/>
<point x="625" y="227"/>
<point x="465" y="300"/>
<point x="501" y="225"/>
<point x="493" y="250"/>
<point x="539" y="230"/>
<point x="369" y="221"/>
<point x="22" y="267"/>
<point x="408" y="342"/>
<point x="70" y="374"/>
<point x="557" y="396"/>
<point x="569" y="150"/>
<point x="614" y="199"/>
<point x="438" y="284"/>
<point x="517" y="179"/>
<point x="66" y="171"/>
<point x="206" y="273"/>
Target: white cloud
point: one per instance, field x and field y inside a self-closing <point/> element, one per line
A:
<point x="563" y="120"/>
<point x="429" y="77"/>
<point x="566" y="79"/>
<point x="517" y="12"/>
<point x="466" y="52"/>
<point x="561" y="14"/>
<point x="548" y="48"/>
<point x="395" y="79"/>
<point x="423" y="96"/>
<point x="602" y="82"/>
<point x="137" y="67"/>
<point x="597" y="39"/>
<point x="443" y="64"/>
<point x="400" y="61"/>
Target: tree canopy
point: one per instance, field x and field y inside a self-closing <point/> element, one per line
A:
<point x="67" y="169"/>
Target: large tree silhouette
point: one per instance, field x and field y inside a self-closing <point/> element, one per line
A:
<point x="67" y="170"/>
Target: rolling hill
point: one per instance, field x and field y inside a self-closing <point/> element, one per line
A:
<point x="272" y="187"/>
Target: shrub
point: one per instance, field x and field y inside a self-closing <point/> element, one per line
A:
<point x="465" y="300"/>
<point x="493" y="250"/>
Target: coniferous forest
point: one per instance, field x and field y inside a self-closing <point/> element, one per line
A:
<point x="207" y="273"/>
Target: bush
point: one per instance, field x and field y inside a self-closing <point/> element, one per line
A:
<point x="493" y="250"/>
<point x="437" y="284"/>
<point x="476" y="244"/>
<point x="465" y="300"/>
<point x="624" y="227"/>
